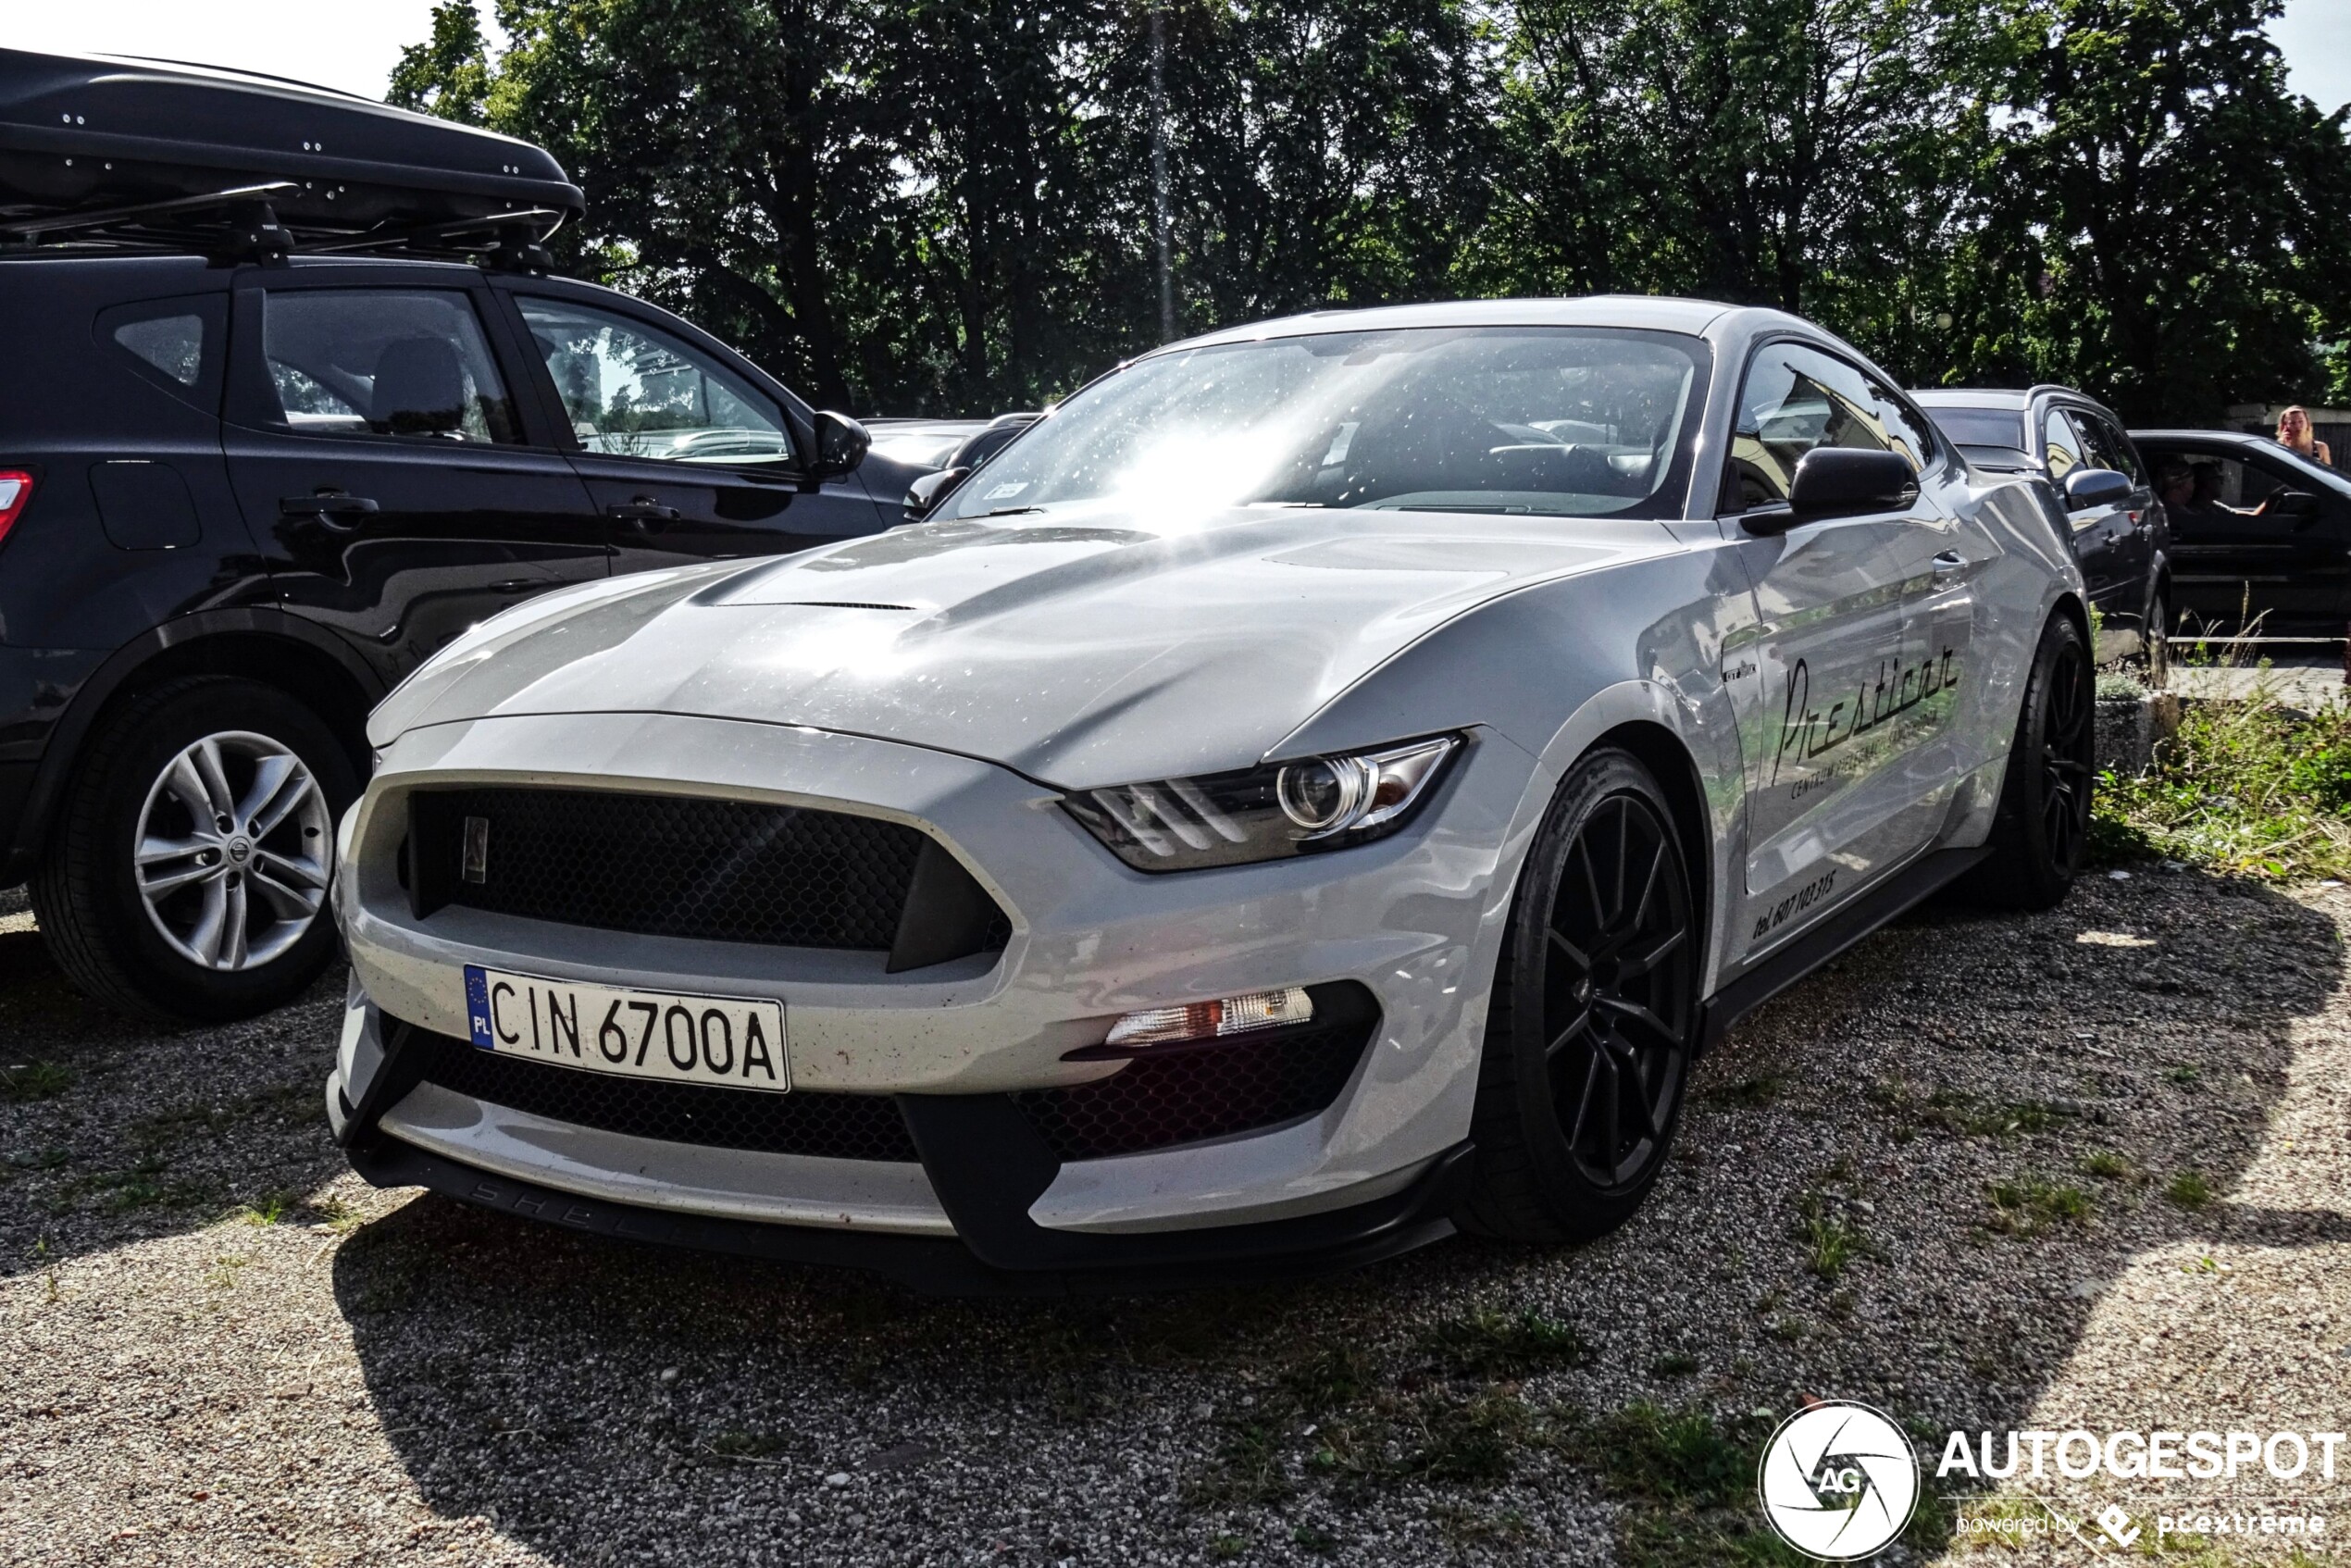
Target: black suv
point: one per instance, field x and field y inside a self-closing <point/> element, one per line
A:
<point x="2121" y="533"/>
<point x="243" y="494"/>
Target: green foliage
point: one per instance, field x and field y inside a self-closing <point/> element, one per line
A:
<point x="924" y="207"/>
<point x="2027" y="1206"/>
<point x="34" y="1080"/>
<point x="2189" y="1190"/>
<point x="2250" y="788"/>
<point x="1494" y="1344"/>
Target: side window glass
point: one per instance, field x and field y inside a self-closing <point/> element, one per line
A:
<point x="397" y="363"/>
<point x="2223" y="487"/>
<point x="175" y="342"/>
<point x="633" y="391"/>
<point x="2060" y="447"/>
<point x="2116" y="448"/>
<point x="1903" y="429"/>
<point x="1794" y="399"/>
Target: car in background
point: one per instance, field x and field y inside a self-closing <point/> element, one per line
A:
<point x="2260" y="536"/>
<point x="276" y="428"/>
<point x="2120" y="532"/>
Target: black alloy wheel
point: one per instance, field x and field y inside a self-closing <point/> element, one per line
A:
<point x="1594" y="1014"/>
<point x="2043" y="827"/>
<point x="2067" y="755"/>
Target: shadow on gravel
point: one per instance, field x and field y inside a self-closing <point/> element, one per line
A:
<point x="113" y="1130"/>
<point x="1908" y="1181"/>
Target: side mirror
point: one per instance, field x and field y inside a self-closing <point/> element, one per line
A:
<point x="1841" y="482"/>
<point x="2294" y="503"/>
<point x="2085" y="488"/>
<point x="840" y="445"/>
<point x="926" y="493"/>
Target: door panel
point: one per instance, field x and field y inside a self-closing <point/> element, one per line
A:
<point x="685" y="459"/>
<point x="1859" y="638"/>
<point x="374" y="451"/>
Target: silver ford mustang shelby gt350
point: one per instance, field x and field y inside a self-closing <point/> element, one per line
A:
<point x="1317" y="788"/>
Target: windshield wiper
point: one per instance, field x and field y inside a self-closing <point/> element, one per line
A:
<point x="1010" y="511"/>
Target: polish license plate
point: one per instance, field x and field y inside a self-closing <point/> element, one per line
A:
<point x="720" y="1040"/>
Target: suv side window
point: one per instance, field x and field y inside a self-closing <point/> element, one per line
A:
<point x="2060" y="447"/>
<point x="174" y="343"/>
<point x="633" y="391"/>
<point x="1797" y="398"/>
<point x="2111" y="448"/>
<point x="396" y="363"/>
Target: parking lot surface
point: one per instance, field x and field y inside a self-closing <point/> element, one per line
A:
<point x="2086" y="1168"/>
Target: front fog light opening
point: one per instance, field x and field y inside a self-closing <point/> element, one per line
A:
<point x="1213" y="1020"/>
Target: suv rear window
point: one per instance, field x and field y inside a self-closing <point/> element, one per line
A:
<point x="1980" y="426"/>
<point x="173" y="343"/>
<point x="384" y="362"/>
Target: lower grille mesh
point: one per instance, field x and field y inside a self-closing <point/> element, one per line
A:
<point x="838" y="1127"/>
<point x="1160" y="1102"/>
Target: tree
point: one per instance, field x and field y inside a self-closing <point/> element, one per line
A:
<point x="448" y="75"/>
<point x="2158" y="221"/>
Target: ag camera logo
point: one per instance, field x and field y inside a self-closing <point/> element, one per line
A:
<point x="1838" y="1481"/>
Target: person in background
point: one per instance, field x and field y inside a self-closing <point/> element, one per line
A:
<point x="2295" y="435"/>
<point x="2175" y="486"/>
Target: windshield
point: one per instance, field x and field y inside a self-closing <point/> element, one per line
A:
<point x="1567" y="421"/>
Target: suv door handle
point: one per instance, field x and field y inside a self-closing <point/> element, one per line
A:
<point x="1948" y="562"/>
<point x="333" y="508"/>
<point x="644" y="509"/>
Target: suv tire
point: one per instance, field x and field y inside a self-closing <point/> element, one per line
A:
<point x="1592" y="1018"/>
<point x="186" y="880"/>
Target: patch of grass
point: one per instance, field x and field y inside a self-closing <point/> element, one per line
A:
<point x="1496" y="1344"/>
<point x="22" y="1081"/>
<point x="1675" y="1365"/>
<point x="1787" y="1330"/>
<point x="1314" y="1539"/>
<point x="48" y="1159"/>
<point x="1761" y="1089"/>
<point x="1474" y="1439"/>
<point x="2182" y="1075"/>
<point x="1249" y="1467"/>
<point x="1962" y="1114"/>
<point x="2108" y="1165"/>
<point x="335" y="1215"/>
<point x="269" y="1211"/>
<point x="1831" y="1240"/>
<point x="2027" y="1206"/>
<point x="1227" y="1546"/>
<point x="2250" y="788"/>
<point x="1685" y="1483"/>
<point x="2189" y="1190"/>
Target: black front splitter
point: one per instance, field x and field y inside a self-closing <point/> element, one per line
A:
<point x="1054" y="1263"/>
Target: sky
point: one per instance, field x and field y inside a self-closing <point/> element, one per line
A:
<point x="354" y="44"/>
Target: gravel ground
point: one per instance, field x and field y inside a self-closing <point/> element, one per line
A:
<point x="1945" y="1177"/>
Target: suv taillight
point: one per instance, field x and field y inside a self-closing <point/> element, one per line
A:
<point x="15" y="489"/>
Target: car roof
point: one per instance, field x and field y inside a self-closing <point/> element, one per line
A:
<point x="1650" y="312"/>
<point x="2234" y="437"/>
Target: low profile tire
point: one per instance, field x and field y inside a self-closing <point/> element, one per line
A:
<point x="2044" y="822"/>
<point x="1594" y="1015"/>
<point x="186" y="880"/>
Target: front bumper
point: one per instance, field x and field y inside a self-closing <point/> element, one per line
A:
<point x="1415" y="920"/>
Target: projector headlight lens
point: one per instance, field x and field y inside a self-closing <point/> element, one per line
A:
<point x="1266" y="813"/>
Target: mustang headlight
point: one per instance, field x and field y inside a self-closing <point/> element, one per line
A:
<point x="1281" y="809"/>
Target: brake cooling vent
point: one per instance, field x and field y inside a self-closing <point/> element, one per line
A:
<point x="685" y="865"/>
<point x="1190" y="1096"/>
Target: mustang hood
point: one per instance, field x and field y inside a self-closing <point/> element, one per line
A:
<point x="1079" y="648"/>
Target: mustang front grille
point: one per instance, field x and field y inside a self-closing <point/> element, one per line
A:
<point x="683" y="866"/>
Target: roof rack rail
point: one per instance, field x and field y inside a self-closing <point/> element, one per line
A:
<point x="142" y="155"/>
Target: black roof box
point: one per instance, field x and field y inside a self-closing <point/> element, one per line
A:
<point x="84" y="140"/>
